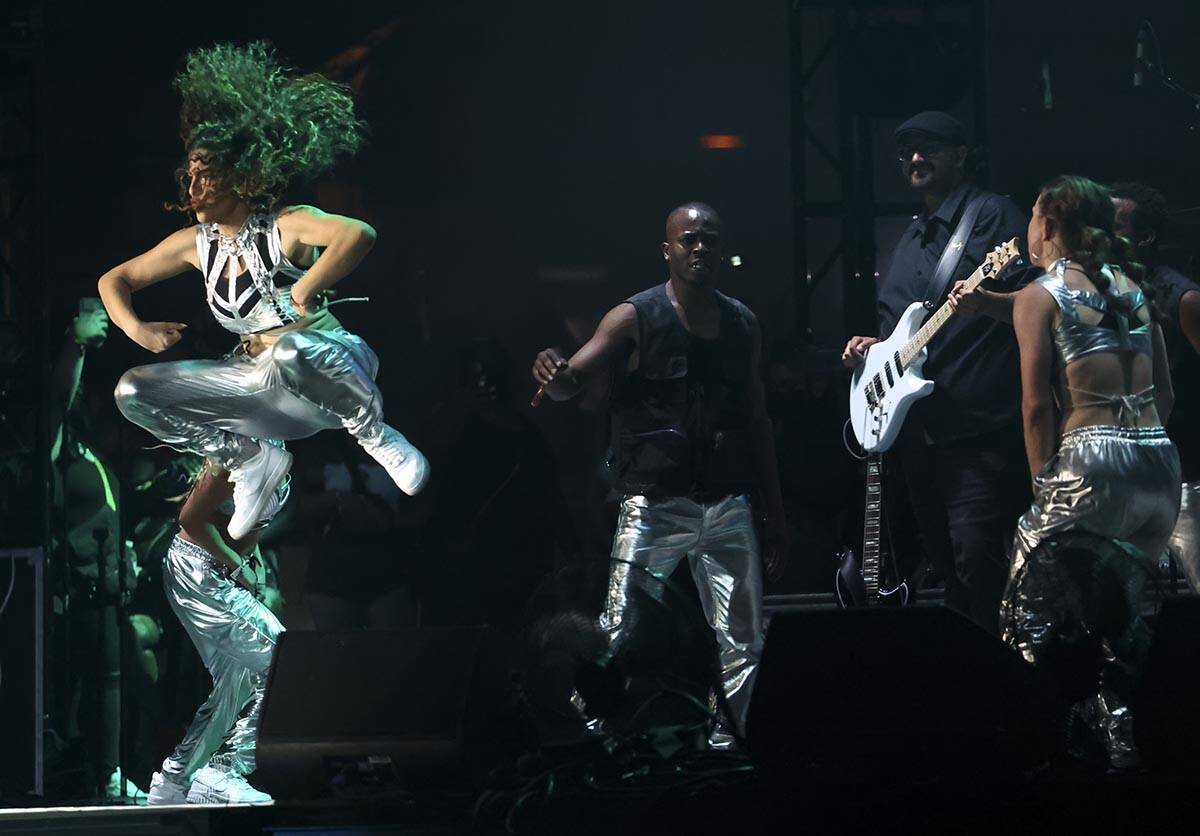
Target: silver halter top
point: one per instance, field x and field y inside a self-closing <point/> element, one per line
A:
<point x="1115" y="332"/>
<point x="259" y="298"/>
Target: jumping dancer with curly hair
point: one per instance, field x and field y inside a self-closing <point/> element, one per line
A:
<point x="250" y="130"/>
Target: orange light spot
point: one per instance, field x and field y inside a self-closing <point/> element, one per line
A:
<point x="721" y="142"/>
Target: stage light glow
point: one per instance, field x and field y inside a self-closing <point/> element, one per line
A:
<point x="721" y="142"/>
<point x="735" y="260"/>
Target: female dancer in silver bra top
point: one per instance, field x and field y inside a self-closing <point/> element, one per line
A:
<point x="250" y="130"/>
<point x="206" y="585"/>
<point x="1094" y="378"/>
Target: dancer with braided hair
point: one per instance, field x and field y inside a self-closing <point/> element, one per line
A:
<point x="1096" y="392"/>
<point x="251" y="130"/>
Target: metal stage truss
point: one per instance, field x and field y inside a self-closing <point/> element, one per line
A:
<point x="841" y="183"/>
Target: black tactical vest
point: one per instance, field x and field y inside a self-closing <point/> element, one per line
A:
<point x="681" y="420"/>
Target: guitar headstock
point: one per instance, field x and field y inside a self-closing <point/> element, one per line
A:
<point x="999" y="258"/>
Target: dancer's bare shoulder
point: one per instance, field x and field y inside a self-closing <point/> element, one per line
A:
<point x="620" y="323"/>
<point x="302" y="227"/>
<point x="169" y="257"/>
<point x="617" y="332"/>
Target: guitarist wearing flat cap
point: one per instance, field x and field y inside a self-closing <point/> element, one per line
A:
<point x="960" y="449"/>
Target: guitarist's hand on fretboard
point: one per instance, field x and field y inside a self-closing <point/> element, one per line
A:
<point x="966" y="301"/>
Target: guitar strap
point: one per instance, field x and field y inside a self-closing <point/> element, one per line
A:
<point x="947" y="265"/>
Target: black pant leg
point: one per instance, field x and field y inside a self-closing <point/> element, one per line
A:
<point x="917" y="493"/>
<point x="985" y="485"/>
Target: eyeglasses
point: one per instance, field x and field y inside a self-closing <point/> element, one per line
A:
<point x="926" y="149"/>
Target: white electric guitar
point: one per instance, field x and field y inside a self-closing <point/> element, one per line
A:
<point x="889" y="381"/>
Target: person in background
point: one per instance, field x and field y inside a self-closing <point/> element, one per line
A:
<point x="86" y="496"/>
<point x="1142" y="216"/>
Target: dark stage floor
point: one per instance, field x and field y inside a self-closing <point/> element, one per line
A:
<point x="1142" y="803"/>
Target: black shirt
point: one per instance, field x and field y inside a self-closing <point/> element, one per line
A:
<point x="1169" y="287"/>
<point x="973" y="361"/>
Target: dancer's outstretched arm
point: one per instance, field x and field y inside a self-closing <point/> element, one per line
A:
<point x="343" y="241"/>
<point x="563" y="379"/>
<point x="170" y="257"/>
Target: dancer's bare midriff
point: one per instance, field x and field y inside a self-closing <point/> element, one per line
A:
<point x="321" y="320"/>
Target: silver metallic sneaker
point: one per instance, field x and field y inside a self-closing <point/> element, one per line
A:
<point x="406" y="465"/>
<point x="212" y="786"/>
<point x="254" y="487"/>
<point x="163" y="791"/>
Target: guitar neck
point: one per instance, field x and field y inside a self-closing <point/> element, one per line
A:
<point x="916" y="344"/>
<point x="871" y="528"/>
<point x="993" y="264"/>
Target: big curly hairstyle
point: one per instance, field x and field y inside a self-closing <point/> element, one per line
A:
<point x="258" y="127"/>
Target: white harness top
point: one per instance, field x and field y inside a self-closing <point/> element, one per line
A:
<point x="259" y="298"/>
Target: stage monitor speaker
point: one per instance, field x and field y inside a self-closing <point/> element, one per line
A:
<point x="1166" y="715"/>
<point x="21" y="674"/>
<point x="350" y="711"/>
<point x="895" y="694"/>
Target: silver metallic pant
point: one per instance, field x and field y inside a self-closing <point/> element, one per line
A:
<point x="306" y="382"/>
<point x="719" y="540"/>
<point x="236" y="636"/>
<point x="1120" y="484"/>
<point x="1185" y="539"/>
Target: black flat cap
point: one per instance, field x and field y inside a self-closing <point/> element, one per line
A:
<point x="934" y="123"/>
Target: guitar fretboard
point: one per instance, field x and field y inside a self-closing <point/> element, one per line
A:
<point x="992" y="265"/>
<point x="871" y="518"/>
<point x="913" y="348"/>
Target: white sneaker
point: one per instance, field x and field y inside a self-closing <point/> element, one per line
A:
<point x="254" y="487"/>
<point x="406" y="465"/>
<point x="212" y="786"/>
<point x="132" y="791"/>
<point x="163" y="791"/>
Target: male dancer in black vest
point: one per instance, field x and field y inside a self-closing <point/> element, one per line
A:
<point x="960" y="449"/>
<point x="691" y="440"/>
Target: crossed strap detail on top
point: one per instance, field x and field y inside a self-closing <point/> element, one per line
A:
<point x="1115" y="332"/>
<point x="259" y="298"/>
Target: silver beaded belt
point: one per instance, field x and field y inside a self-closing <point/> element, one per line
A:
<point x="195" y="552"/>
<point x="1141" y="435"/>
